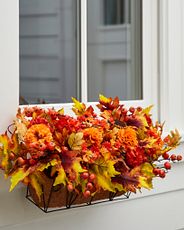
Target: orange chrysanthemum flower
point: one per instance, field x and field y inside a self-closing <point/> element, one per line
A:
<point x="127" y="136"/>
<point x="93" y="136"/>
<point x="38" y="134"/>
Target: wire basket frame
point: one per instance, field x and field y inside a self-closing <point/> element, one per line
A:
<point x="70" y="200"/>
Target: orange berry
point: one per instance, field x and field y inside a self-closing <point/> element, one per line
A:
<point x="92" y="177"/>
<point x="20" y="161"/>
<point x="89" y="186"/>
<point x="85" y="175"/>
<point x="87" y="193"/>
<point x="70" y="187"/>
<point x="12" y="156"/>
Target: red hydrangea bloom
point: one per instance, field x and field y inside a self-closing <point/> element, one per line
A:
<point x="135" y="157"/>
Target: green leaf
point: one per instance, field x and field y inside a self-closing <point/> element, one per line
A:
<point x="18" y="176"/>
<point x="75" y="141"/>
<point x="61" y="177"/>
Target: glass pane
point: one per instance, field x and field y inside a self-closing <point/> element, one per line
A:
<point x="115" y="49"/>
<point x="47" y="51"/>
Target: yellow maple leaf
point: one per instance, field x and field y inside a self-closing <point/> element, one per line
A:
<point x="61" y="177"/>
<point x="104" y="99"/>
<point x="105" y="182"/>
<point x="145" y="182"/>
<point x="36" y="185"/>
<point x="61" y="111"/>
<point x="119" y="187"/>
<point x="18" y="176"/>
<point x="111" y="170"/>
<point x="147" y="170"/>
<point x="4" y="153"/>
<point x="42" y="166"/>
<point x="76" y="166"/>
<point x="78" y="107"/>
<point x="147" y="110"/>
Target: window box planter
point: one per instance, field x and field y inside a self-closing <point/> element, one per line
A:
<point x="59" y="198"/>
<point x="75" y="161"/>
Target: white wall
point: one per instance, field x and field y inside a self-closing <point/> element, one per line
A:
<point x="158" y="211"/>
<point x="8" y="61"/>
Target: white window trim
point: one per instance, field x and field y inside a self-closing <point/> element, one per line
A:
<point x="171" y="55"/>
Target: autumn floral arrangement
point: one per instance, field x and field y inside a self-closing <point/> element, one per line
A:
<point x="117" y="151"/>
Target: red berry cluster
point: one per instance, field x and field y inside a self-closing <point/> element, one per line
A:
<point x="173" y="157"/>
<point x="167" y="166"/>
<point x="159" y="172"/>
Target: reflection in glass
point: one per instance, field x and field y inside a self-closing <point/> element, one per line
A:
<point x="47" y="51"/>
<point x="114" y="49"/>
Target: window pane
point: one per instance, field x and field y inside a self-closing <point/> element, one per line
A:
<point x="115" y="49"/>
<point x="47" y="51"/>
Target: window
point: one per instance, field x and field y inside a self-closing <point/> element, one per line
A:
<point x="168" y="54"/>
<point x="116" y="12"/>
<point x="48" y="51"/>
<point x="114" y="52"/>
<point x="10" y="89"/>
<point x="111" y="55"/>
